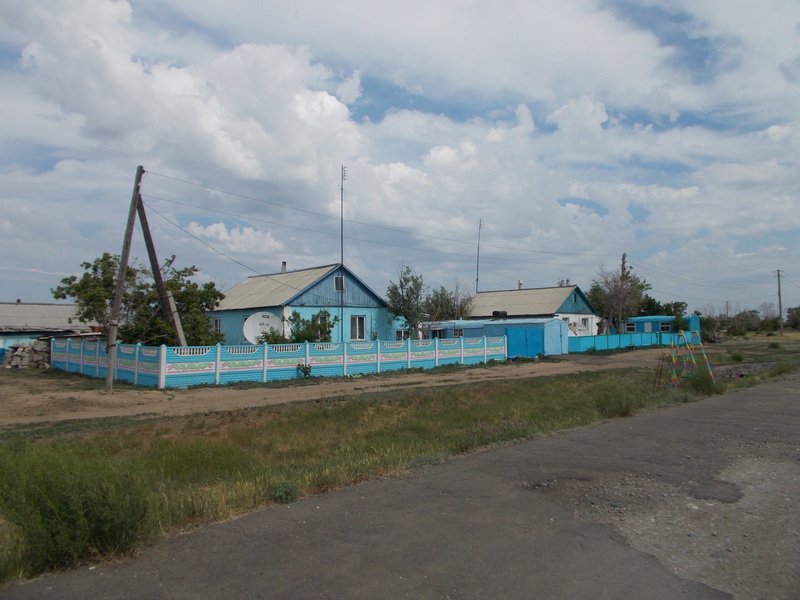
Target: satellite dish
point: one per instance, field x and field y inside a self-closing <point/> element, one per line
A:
<point x="259" y="323"/>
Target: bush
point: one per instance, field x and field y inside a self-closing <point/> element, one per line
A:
<point x="613" y="400"/>
<point x="702" y="384"/>
<point x="62" y="508"/>
<point x="283" y="492"/>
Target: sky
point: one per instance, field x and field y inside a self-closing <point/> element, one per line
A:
<point x="485" y="143"/>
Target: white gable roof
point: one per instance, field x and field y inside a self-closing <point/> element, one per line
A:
<point x="24" y="316"/>
<point x="525" y="302"/>
<point x="272" y="290"/>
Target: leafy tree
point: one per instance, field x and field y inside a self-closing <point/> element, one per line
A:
<point x="405" y="298"/>
<point x="445" y="305"/>
<point x="793" y="317"/>
<point x="617" y="296"/>
<point x="141" y="319"/>
<point x="650" y="307"/>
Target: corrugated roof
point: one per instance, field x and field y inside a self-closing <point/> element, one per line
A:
<point x="24" y="316"/>
<point x="536" y="301"/>
<point x="272" y="290"/>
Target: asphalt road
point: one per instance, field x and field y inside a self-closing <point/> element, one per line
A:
<point x="696" y="501"/>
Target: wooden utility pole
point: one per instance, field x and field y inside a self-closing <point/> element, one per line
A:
<point x="116" y="304"/>
<point x="165" y="299"/>
<point x="166" y="302"/>
<point x="780" y="302"/>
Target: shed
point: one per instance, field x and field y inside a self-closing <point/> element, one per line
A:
<point x="526" y="337"/>
<point x="23" y="322"/>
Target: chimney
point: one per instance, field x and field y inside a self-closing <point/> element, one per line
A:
<point x="283" y="267"/>
<point x="519" y="284"/>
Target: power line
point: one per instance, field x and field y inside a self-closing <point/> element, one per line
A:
<point x="327" y="216"/>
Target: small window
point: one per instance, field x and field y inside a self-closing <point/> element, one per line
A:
<point x="457" y="333"/>
<point x="630" y="327"/>
<point x="338" y="283"/>
<point x="585" y="322"/>
<point x="217" y="325"/>
<point x="665" y="327"/>
<point x="402" y="335"/>
<point x="358" y="328"/>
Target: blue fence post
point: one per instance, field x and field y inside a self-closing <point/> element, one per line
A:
<point x="377" y="356"/>
<point x="265" y="350"/>
<point x="408" y="354"/>
<point x="308" y="355"/>
<point x="162" y="367"/>
<point x="344" y="359"/>
<point x="484" y="350"/>
<point x="436" y="352"/>
<point x="462" y="349"/>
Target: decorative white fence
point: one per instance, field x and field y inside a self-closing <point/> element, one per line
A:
<point x="177" y="367"/>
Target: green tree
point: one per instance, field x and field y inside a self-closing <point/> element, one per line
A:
<point x="405" y="298"/>
<point x="650" y="307"/>
<point x="141" y="319"/>
<point x="444" y="305"/>
<point x="793" y="317"/>
<point x="617" y="296"/>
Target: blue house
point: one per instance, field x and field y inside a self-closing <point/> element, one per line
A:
<point x="659" y="323"/>
<point x="262" y="302"/>
<point x="567" y="303"/>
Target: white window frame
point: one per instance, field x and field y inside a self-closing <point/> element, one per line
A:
<point x="665" y="326"/>
<point x="630" y="327"/>
<point x="217" y="325"/>
<point x="358" y="324"/>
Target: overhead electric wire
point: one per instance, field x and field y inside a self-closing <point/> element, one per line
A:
<point x="326" y="216"/>
<point x="319" y="232"/>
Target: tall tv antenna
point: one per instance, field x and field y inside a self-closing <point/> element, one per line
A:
<point x="478" y="266"/>
<point x="341" y="254"/>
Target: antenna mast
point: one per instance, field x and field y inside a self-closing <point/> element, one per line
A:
<point x="341" y="255"/>
<point x="478" y="266"/>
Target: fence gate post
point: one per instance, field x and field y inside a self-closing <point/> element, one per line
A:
<point x="162" y="367"/>
<point x="344" y="359"/>
<point x="217" y="364"/>
<point x="408" y="354"/>
<point x="136" y="364"/>
<point x="436" y="352"/>
<point x="265" y="349"/>
<point x="462" y="349"/>
<point x="377" y="356"/>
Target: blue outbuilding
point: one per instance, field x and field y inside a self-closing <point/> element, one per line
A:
<point x="659" y="324"/>
<point x="525" y="337"/>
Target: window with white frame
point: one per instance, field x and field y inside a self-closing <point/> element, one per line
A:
<point x="457" y="333"/>
<point x="630" y="327"/>
<point x="217" y="325"/>
<point x="402" y="335"/>
<point x="358" y="330"/>
<point x="665" y="327"/>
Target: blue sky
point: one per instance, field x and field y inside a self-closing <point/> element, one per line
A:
<point x="574" y="130"/>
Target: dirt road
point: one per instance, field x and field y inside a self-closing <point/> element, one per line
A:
<point x="42" y="399"/>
